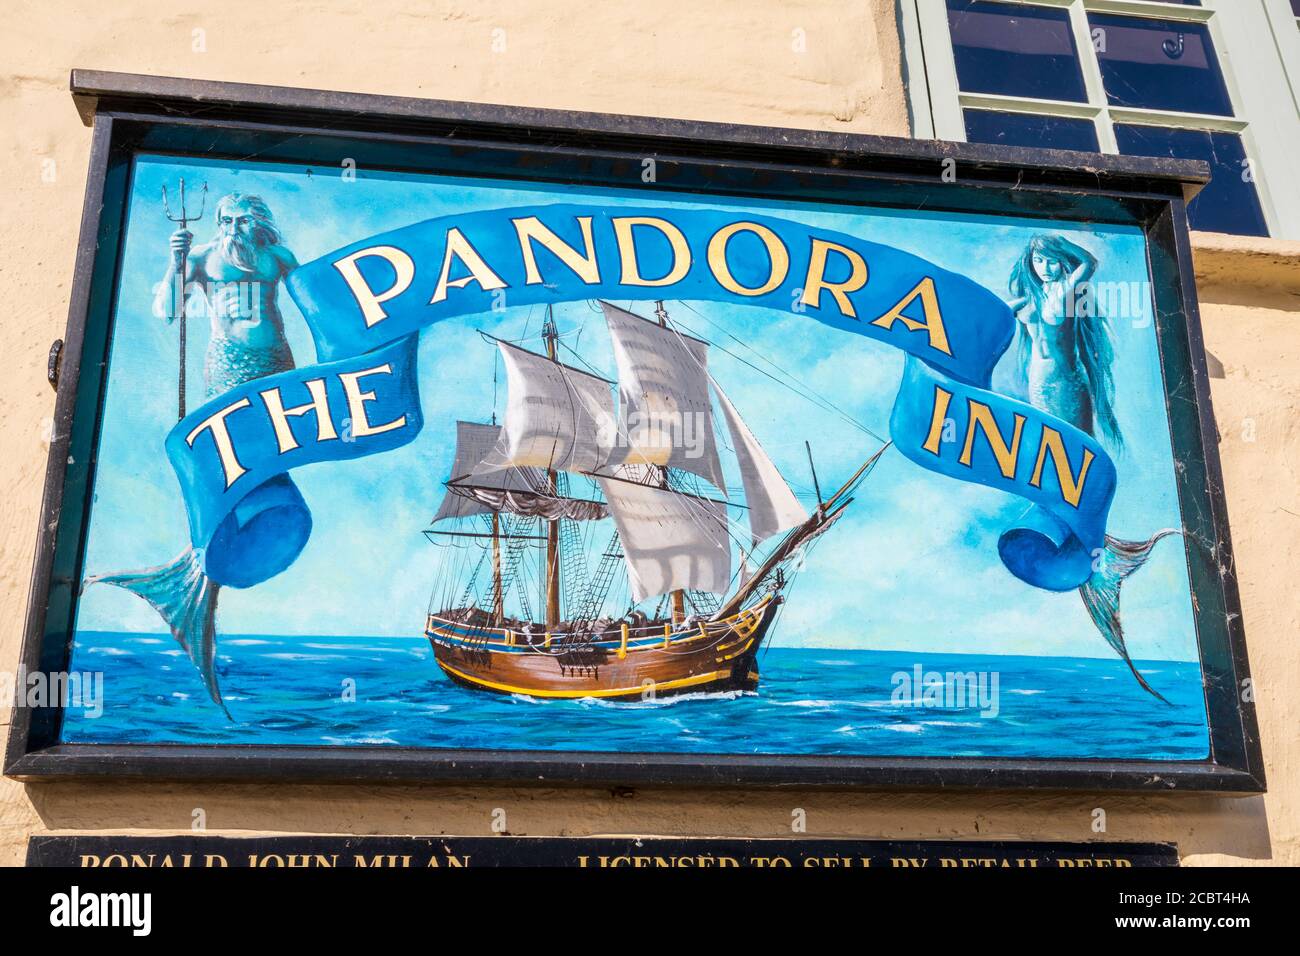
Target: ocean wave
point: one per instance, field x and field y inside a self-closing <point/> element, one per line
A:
<point x="283" y="692"/>
<point x="363" y="741"/>
<point x="657" y="702"/>
<point x="807" y="704"/>
<point x="873" y="704"/>
<point x="358" y="648"/>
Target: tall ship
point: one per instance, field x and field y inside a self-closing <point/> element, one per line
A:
<point x="589" y="544"/>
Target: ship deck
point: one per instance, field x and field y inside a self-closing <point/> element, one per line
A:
<point x="654" y="635"/>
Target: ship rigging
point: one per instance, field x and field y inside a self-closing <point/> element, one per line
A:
<point x="588" y="542"/>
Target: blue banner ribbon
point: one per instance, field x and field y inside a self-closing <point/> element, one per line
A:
<point x="367" y="302"/>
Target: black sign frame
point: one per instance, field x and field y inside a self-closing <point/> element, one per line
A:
<point x="108" y="852"/>
<point x="165" y="115"/>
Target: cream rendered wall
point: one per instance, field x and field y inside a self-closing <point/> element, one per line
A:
<point x="797" y="63"/>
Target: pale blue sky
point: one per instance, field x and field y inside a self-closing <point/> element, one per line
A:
<point x="913" y="566"/>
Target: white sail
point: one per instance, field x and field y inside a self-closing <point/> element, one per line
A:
<point x="772" y="505"/>
<point x="670" y="540"/>
<point x="663" y="386"/>
<point x="556" y="416"/>
<point x="474" y="443"/>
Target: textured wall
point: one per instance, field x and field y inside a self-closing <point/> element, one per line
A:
<point x="775" y="62"/>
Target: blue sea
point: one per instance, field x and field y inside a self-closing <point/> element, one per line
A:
<point x="291" y="690"/>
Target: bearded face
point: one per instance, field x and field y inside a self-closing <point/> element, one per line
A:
<point x="244" y="226"/>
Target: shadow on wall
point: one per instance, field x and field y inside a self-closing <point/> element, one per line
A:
<point x="1234" y="827"/>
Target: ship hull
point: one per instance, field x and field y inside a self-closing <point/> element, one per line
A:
<point x="626" y="664"/>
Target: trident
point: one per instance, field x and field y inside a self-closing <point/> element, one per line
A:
<point x="181" y="255"/>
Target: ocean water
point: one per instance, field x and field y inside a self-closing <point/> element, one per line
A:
<point x="291" y="691"/>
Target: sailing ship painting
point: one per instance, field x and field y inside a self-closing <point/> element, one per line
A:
<point x="628" y="590"/>
<point x="452" y="469"/>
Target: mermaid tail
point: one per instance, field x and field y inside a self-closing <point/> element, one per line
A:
<point x="182" y="592"/>
<point x="187" y="600"/>
<point x="1100" y="593"/>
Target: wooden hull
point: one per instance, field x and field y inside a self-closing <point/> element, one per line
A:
<point x="637" y="664"/>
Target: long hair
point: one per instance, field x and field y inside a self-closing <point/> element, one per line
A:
<point x="265" y="232"/>
<point x="1092" y="337"/>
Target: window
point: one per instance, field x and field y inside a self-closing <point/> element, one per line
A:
<point x="1215" y="80"/>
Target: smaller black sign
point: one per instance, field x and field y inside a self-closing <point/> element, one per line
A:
<point x="419" y="853"/>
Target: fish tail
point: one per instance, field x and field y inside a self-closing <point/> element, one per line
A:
<point x="186" y="598"/>
<point x="1100" y="593"/>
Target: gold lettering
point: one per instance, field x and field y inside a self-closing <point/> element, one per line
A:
<point x="981" y="416"/>
<point x="937" y="418"/>
<point x="631" y="272"/>
<point x="1071" y="488"/>
<point x="777" y="255"/>
<point x="531" y="229"/>
<point x="459" y="247"/>
<point x="216" y="423"/>
<point x="933" y="323"/>
<point x="367" y="298"/>
<point x="280" y="415"/>
<point x="815" y="281"/>
<point x="361" y="426"/>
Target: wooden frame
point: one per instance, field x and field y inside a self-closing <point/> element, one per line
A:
<point x="132" y="113"/>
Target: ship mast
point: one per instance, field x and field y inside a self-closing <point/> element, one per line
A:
<point x="498" y="595"/>
<point x="550" y="336"/>
<point x="669" y="540"/>
<point x="678" y="595"/>
<point x="498" y="591"/>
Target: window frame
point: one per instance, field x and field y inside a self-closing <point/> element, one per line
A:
<point x="1286" y="35"/>
<point x="1243" y="32"/>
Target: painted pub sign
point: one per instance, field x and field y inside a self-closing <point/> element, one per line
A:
<point x="414" y="439"/>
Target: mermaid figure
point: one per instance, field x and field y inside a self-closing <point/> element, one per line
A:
<point x="1064" y="351"/>
<point x="234" y="277"/>
<point x="1063" y="359"/>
